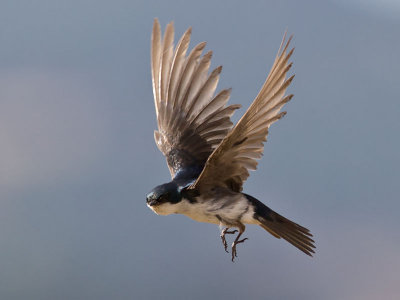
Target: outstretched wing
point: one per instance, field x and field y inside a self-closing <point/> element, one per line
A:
<point x="191" y="120"/>
<point x="229" y="164"/>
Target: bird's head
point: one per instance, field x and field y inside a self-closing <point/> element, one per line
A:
<point x="163" y="198"/>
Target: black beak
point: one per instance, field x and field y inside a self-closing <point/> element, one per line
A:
<point x="151" y="200"/>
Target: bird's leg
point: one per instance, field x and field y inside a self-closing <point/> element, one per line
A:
<point x="237" y="241"/>
<point x="223" y="232"/>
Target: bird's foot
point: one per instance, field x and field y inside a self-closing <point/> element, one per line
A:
<point x="223" y="232"/>
<point x="234" y="252"/>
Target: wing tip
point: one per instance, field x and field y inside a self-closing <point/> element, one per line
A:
<point x="290" y="79"/>
<point x="235" y="106"/>
<point x="217" y="70"/>
<point x="169" y="29"/>
<point x="156" y="29"/>
<point x="208" y="55"/>
<point x="285" y="42"/>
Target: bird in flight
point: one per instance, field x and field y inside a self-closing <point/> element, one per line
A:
<point x="208" y="158"/>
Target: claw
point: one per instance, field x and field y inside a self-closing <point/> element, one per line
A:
<point x="237" y="241"/>
<point x="224" y="243"/>
<point x="225" y="231"/>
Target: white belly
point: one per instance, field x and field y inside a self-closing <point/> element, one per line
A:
<point x="199" y="212"/>
<point x="231" y="210"/>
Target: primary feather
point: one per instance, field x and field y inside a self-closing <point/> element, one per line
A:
<point x="191" y="120"/>
<point x="229" y="164"/>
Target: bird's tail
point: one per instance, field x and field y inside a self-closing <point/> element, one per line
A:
<point x="280" y="227"/>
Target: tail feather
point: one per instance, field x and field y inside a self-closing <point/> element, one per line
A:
<point x="295" y="234"/>
<point x="280" y="227"/>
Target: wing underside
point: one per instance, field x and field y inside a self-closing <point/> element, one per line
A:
<point x="192" y="121"/>
<point x="229" y="164"/>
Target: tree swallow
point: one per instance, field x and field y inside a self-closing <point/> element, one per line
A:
<point x="208" y="158"/>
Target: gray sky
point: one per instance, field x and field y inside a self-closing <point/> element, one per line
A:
<point x="77" y="154"/>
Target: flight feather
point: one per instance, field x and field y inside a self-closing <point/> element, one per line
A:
<point x="229" y="164"/>
<point x="191" y="119"/>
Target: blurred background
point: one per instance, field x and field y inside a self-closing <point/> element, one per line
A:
<point x="77" y="154"/>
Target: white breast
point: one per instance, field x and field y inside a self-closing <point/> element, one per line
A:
<point x="199" y="211"/>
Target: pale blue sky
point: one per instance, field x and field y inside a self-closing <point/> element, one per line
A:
<point x="77" y="155"/>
